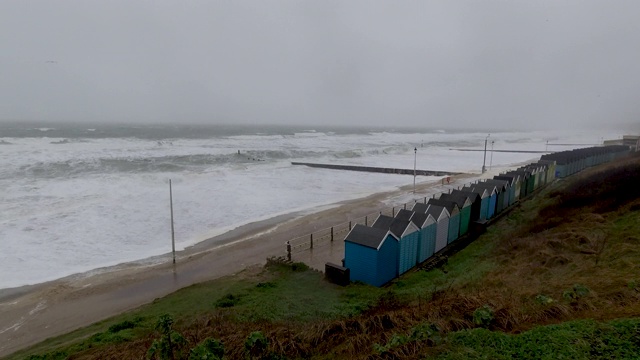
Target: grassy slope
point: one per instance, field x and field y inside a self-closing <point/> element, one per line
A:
<point x="569" y="254"/>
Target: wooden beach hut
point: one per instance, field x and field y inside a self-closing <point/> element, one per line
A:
<point x="504" y="190"/>
<point x="441" y="215"/>
<point x="536" y="174"/>
<point x="514" y="188"/>
<point x="428" y="230"/>
<point x="464" y="204"/>
<point x="525" y="180"/>
<point x="409" y="237"/>
<point x="551" y="169"/>
<point x="485" y="199"/>
<point x="493" y="197"/>
<point x="371" y="255"/>
<point x="531" y="180"/>
<point x="454" y="217"/>
<point x="476" y="203"/>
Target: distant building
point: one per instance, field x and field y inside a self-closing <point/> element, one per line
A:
<point x="632" y="141"/>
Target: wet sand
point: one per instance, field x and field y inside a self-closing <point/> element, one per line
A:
<point x="31" y="314"/>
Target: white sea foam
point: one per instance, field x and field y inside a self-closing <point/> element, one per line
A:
<point x="96" y="202"/>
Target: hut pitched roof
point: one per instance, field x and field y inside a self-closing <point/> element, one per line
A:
<point x="450" y="205"/>
<point x="397" y="226"/>
<point x="461" y="199"/>
<point x="417" y="218"/>
<point x="483" y="193"/>
<point x="473" y="196"/>
<point x="437" y="211"/>
<point x="368" y="236"/>
<point x="420" y="207"/>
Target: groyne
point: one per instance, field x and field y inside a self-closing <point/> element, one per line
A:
<point x="379" y="169"/>
<point x="508" y="151"/>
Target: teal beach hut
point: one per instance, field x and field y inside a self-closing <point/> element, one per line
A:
<point x="371" y="255"/>
<point x="514" y="186"/>
<point x="476" y="203"/>
<point x="464" y="204"/>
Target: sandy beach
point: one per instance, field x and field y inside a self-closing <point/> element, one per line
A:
<point x="34" y="313"/>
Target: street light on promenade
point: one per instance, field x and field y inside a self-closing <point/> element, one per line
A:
<point x="491" y="161"/>
<point x="415" y="156"/>
<point x="484" y="162"/>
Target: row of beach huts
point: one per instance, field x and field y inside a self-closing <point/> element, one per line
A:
<point x="391" y="246"/>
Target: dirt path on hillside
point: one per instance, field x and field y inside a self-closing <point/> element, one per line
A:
<point x="32" y="314"/>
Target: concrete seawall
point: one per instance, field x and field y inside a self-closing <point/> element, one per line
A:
<point x="378" y="169"/>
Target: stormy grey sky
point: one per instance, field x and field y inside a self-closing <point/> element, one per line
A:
<point x="521" y="64"/>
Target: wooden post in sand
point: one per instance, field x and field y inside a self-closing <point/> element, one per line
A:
<point x="173" y="238"/>
<point x="393" y="211"/>
<point x="332" y="234"/>
<point x="349" y="225"/>
<point x="365" y="221"/>
<point x="311" y="239"/>
<point x="288" y="251"/>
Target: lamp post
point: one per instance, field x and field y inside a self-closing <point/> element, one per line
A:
<point x="484" y="162"/>
<point x="415" y="157"/>
<point x="491" y="161"/>
<point x="173" y="239"/>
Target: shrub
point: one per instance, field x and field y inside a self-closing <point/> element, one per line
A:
<point x="578" y="291"/>
<point x="209" y="349"/>
<point x="121" y="326"/>
<point x="170" y="343"/>
<point x="265" y="285"/>
<point x="483" y="316"/>
<point x="256" y="344"/>
<point x="228" y="300"/>
<point x="543" y="299"/>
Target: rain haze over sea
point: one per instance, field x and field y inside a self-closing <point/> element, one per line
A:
<point x="78" y="197"/>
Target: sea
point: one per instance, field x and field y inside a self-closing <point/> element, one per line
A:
<point x="79" y="197"/>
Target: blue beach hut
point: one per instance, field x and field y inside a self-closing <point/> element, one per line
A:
<point x="493" y="198"/>
<point x="371" y="255"/>
<point x="504" y="192"/>
<point x="488" y="204"/>
<point x="409" y="237"/>
<point x="428" y="228"/>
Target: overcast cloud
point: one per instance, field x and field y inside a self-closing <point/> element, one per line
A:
<point x="521" y="64"/>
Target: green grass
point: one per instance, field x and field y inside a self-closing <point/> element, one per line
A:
<point x="584" y="339"/>
<point x="280" y="293"/>
<point x="461" y="270"/>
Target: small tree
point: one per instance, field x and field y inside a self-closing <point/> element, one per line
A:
<point x="169" y="343"/>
